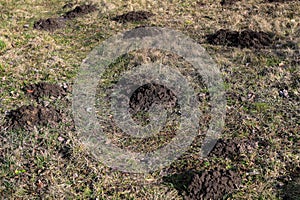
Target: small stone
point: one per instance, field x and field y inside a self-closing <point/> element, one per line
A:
<point x="61" y="139"/>
<point x="284" y="93"/>
<point x="46" y="103"/>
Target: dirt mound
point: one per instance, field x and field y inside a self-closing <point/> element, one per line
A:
<point x="80" y="11"/>
<point x="213" y="184"/>
<point x="231" y="148"/>
<point x="146" y="95"/>
<point x="26" y="117"/>
<point x="44" y="89"/>
<point x="133" y="16"/>
<point x="243" y="39"/>
<point x="228" y="2"/>
<point x="49" y="24"/>
<point x="52" y="24"/>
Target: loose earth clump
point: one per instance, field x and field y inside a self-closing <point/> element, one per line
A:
<point x="52" y="24"/>
<point x="26" y="117"/>
<point x="243" y="39"/>
<point x="49" y="24"/>
<point x="80" y="11"/>
<point x="213" y="184"/>
<point x="147" y="95"/>
<point x="230" y="148"/>
<point x="44" y="89"/>
<point x="133" y="16"/>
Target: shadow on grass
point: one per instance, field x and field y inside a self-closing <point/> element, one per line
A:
<point x="180" y="181"/>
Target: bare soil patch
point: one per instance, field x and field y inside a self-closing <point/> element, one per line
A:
<point x="243" y="39"/>
<point x="133" y="16"/>
<point x="52" y="24"/>
<point x="228" y="2"/>
<point x="26" y="117"/>
<point x="44" y="89"/>
<point x="146" y="95"/>
<point x="213" y="184"/>
<point x="231" y="148"/>
<point x="49" y="24"/>
<point x="80" y="11"/>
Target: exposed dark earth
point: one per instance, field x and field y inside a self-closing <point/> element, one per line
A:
<point x="133" y="16"/>
<point x="52" y="24"/>
<point x="228" y="2"/>
<point x="232" y="148"/>
<point x="80" y="11"/>
<point x="146" y="95"/>
<point x="43" y="89"/>
<point x="49" y="24"/>
<point x="243" y="39"/>
<point x="26" y="117"/>
<point x="218" y="182"/>
<point x="213" y="184"/>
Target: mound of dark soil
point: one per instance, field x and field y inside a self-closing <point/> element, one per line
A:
<point x="228" y="2"/>
<point x="213" y="184"/>
<point x="49" y="24"/>
<point x="243" y="39"/>
<point x="26" y="117"/>
<point x="52" y="24"/>
<point x="231" y="148"/>
<point x="80" y="11"/>
<point x="148" y="94"/>
<point x="44" y="89"/>
<point x="133" y="16"/>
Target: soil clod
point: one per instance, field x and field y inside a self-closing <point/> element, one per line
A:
<point x="80" y="11"/>
<point x="228" y="2"/>
<point x="52" y="24"/>
<point x="133" y="16"/>
<point x="26" y="117"/>
<point x="49" y="24"/>
<point x="44" y="89"/>
<point x="231" y="148"/>
<point x="243" y="39"/>
<point x="213" y="184"/>
<point x="149" y="94"/>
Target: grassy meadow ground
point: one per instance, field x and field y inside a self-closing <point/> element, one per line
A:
<point x="262" y="93"/>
